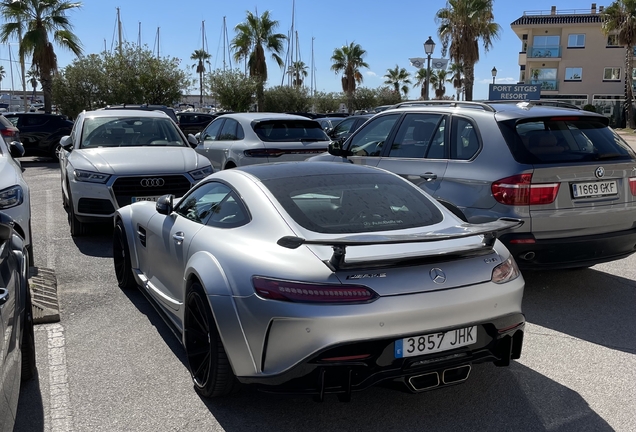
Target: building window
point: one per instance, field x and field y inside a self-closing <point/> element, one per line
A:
<point x="576" y="41"/>
<point x="612" y="74"/>
<point x="573" y="74"/>
<point x="612" y="41"/>
<point x="546" y="41"/>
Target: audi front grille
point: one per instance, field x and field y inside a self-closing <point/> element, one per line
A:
<point x="127" y="187"/>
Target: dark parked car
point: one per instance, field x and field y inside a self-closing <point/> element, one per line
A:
<point x="193" y="122"/>
<point x="345" y="128"/>
<point x="328" y="123"/>
<point x="145" y="107"/>
<point x="17" y="344"/>
<point x="40" y="133"/>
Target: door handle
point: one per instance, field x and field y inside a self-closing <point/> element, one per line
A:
<point x="178" y="237"/>
<point x="429" y="176"/>
<point x="4" y="295"/>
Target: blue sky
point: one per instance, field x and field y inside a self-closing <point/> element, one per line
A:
<point x="390" y="32"/>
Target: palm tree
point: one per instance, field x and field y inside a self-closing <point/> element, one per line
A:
<point x="31" y="22"/>
<point x="462" y="24"/>
<point x="3" y="74"/>
<point x="201" y="56"/>
<point x="620" y="18"/>
<point x="457" y="77"/>
<point x="349" y="60"/>
<point x="32" y="78"/>
<point x="420" y="81"/>
<point x="396" y="77"/>
<point x="298" y="69"/>
<point x="438" y="79"/>
<point x="253" y="37"/>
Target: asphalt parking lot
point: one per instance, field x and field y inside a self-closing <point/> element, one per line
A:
<point x="111" y="364"/>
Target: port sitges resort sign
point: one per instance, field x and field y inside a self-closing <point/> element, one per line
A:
<point x="518" y="92"/>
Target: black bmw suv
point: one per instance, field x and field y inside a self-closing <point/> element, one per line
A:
<point x="40" y="133"/>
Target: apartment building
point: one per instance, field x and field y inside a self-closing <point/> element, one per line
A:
<point x="566" y="53"/>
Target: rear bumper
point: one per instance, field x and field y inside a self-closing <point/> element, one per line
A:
<point x="570" y="252"/>
<point x="499" y="341"/>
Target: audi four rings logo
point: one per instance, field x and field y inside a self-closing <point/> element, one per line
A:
<point x="600" y="172"/>
<point x="438" y="276"/>
<point x="152" y="182"/>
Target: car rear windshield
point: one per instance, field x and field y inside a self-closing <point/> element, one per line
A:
<point x="564" y="140"/>
<point x="130" y="132"/>
<point x="289" y="130"/>
<point x="354" y="203"/>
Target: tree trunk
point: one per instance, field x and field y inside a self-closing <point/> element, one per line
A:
<point x="47" y="89"/>
<point x="200" y="89"/>
<point x="469" y="80"/>
<point x="629" y="82"/>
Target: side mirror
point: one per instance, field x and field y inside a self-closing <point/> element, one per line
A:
<point x="193" y="141"/>
<point x="165" y="204"/>
<point x="335" y="149"/>
<point x="16" y="149"/>
<point x="66" y="142"/>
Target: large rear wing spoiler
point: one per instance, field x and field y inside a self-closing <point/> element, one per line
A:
<point x="488" y="230"/>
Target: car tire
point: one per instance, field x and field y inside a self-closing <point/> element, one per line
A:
<point x="78" y="229"/>
<point x="27" y="344"/>
<point x="121" y="258"/>
<point x="209" y="365"/>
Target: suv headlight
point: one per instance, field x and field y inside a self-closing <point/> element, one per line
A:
<point x="11" y="197"/>
<point x="506" y="271"/>
<point x="201" y="173"/>
<point x="91" y="177"/>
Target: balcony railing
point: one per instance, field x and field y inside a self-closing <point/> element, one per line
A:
<point x="546" y="84"/>
<point x="544" y="52"/>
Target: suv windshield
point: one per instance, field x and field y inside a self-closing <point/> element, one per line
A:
<point x="339" y="204"/>
<point x="130" y="132"/>
<point x="289" y="130"/>
<point x="564" y="139"/>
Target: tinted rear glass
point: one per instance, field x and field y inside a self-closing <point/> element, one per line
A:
<point x="354" y="203"/>
<point x="290" y="130"/>
<point x="564" y="140"/>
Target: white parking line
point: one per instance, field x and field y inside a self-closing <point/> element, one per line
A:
<point x="50" y="229"/>
<point x="59" y="418"/>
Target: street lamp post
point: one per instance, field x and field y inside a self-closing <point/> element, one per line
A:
<point x="429" y="46"/>
<point x="494" y="74"/>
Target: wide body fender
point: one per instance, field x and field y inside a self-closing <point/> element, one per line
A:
<point x="207" y="269"/>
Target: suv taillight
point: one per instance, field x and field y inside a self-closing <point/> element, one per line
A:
<point x="519" y="190"/>
<point x="8" y="132"/>
<point x="632" y="185"/>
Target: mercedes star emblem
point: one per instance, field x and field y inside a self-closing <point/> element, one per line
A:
<point x="438" y="276"/>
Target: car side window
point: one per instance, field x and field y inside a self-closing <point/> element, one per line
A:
<point x="212" y="131"/>
<point x="229" y="213"/>
<point x="465" y="139"/>
<point x="13" y="120"/>
<point x="342" y="128"/>
<point x="231" y="131"/>
<point x="34" y="120"/>
<point x="419" y="136"/>
<point x="369" y="139"/>
<point x="199" y="204"/>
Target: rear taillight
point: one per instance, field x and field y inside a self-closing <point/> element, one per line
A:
<point x="519" y="190"/>
<point x="632" y="185"/>
<point x="8" y="132"/>
<point x="275" y="289"/>
<point x="506" y="271"/>
<point x="263" y="153"/>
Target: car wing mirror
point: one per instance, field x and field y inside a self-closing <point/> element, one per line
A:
<point x="335" y="149"/>
<point x="193" y="141"/>
<point x="16" y="149"/>
<point x="66" y="142"/>
<point x="165" y="204"/>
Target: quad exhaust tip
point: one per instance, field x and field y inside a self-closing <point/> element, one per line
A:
<point x="431" y="380"/>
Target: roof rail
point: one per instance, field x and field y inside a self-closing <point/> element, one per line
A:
<point x="530" y="103"/>
<point x="467" y="104"/>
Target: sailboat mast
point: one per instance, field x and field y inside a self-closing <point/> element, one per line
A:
<point x="119" y="37"/>
<point x="291" y="45"/>
<point x="312" y="78"/>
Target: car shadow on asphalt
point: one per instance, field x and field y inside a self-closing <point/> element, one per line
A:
<point x="98" y="241"/>
<point x="588" y="304"/>
<point x="493" y="399"/>
<point x="30" y="414"/>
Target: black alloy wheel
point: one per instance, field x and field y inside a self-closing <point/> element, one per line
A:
<point x="121" y="258"/>
<point x="78" y="228"/>
<point x="210" y="368"/>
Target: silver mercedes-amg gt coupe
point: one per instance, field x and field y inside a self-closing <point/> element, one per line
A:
<point x="318" y="279"/>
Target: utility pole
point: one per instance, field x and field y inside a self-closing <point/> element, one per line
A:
<point x="139" y="36"/>
<point x="312" y="77"/>
<point x="119" y="37"/>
